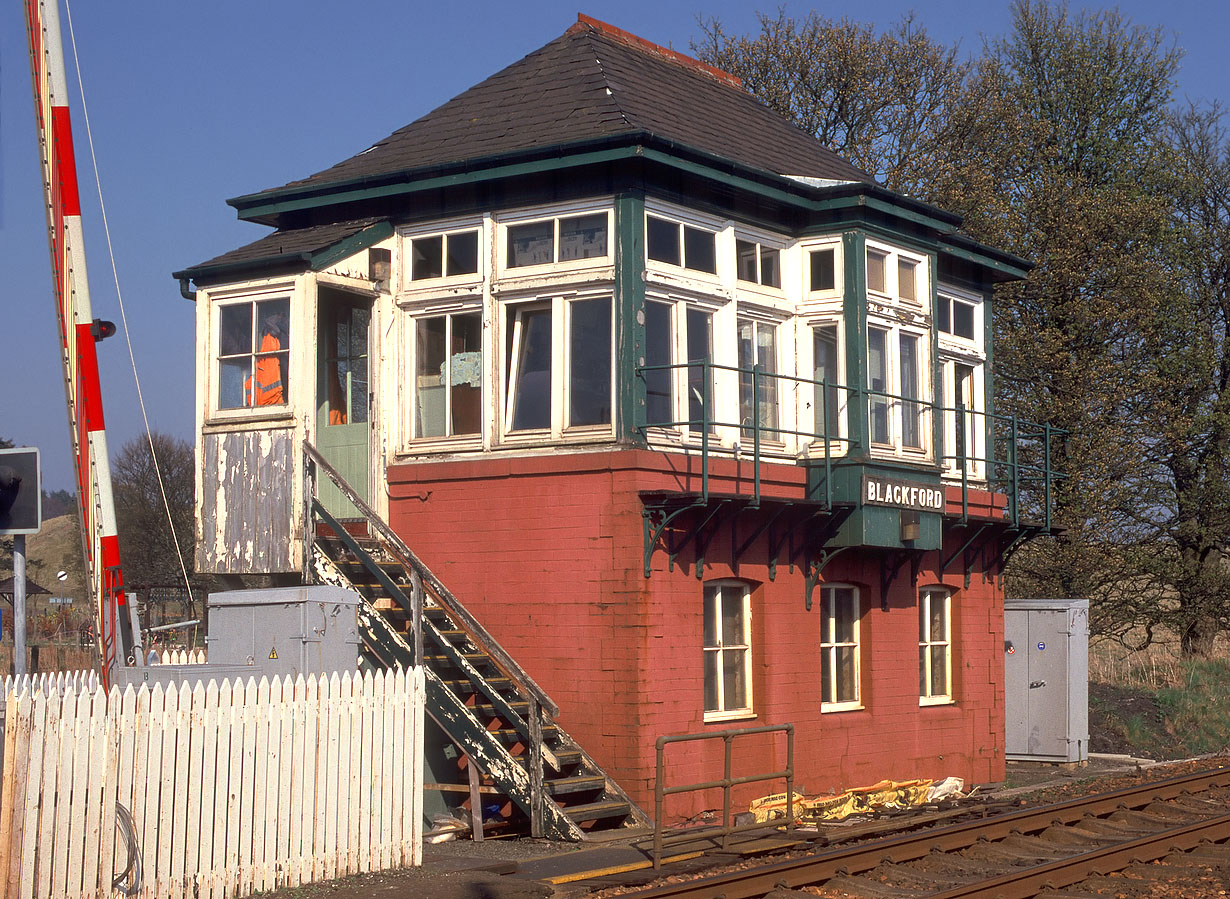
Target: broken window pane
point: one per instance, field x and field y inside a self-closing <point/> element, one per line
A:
<point x="530" y="385"/>
<point x="426" y="258"/>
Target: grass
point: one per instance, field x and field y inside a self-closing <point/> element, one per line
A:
<point x="1156" y="704"/>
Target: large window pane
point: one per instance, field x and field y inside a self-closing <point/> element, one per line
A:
<point x="700" y="349"/>
<point x="699" y="250"/>
<point x="770" y="267"/>
<point x="734" y="681"/>
<point x="426" y="258"/>
<point x="466" y="373"/>
<point x="583" y="237"/>
<point x="906" y="280"/>
<point x="875" y="271"/>
<point x="463" y="253"/>
<point x="658" y="406"/>
<point x="911" y="431"/>
<point x="877" y="374"/>
<point x="745" y="254"/>
<point x="662" y="241"/>
<point x="963" y="319"/>
<point x="823" y="271"/>
<point x="532" y="244"/>
<point x="590" y="355"/>
<point x="235" y="329"/>
<point x="530" y="383"/>
<point x="429" y="374"/>
<point x="758" y="347"/>
<point x="827" y="397"/>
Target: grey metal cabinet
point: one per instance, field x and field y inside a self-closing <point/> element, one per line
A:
<point x="1046" y="679"/>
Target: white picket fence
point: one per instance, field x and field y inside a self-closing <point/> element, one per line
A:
<point x="232" y="788"/>
<point x="182" y="657"/>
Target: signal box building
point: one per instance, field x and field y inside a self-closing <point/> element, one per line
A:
<point x="695" y="418"/>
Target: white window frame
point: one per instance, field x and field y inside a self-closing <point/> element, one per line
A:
<point x="468" y="306"/>
<point x="720" y="648"/>
<point x="927" y="643"/>
<point x="828" y="650"/>
<point x="721" y="409"/>
<point x="553" y="215"/>
<point x="761" y="244"/>
<point x="251" y="297"/>
<point x="560" y="307"/>
<point x="895" y="445"/>
<point x="681" y="221"/>
<point x="953" y="351"/>
<point x="445" y="231"/>
<point x="780" y="386"/>
<point x="806" y="347"/>
<point x="838" y="289"/>
<point x="949" y="296"/>
<point x="892" y="287"/>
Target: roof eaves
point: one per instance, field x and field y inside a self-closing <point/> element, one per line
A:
<point x="1003" y="265"/>
<point x="303" y="260"/>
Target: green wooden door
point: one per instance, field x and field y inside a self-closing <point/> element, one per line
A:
<point x="343" y="397"/>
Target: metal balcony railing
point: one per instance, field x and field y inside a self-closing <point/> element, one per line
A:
<point x="725" y="406"/>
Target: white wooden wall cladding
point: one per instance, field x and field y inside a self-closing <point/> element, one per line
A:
<point x="233" y="788"/>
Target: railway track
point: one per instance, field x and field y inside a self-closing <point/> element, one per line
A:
<point x="1040" y="851"/>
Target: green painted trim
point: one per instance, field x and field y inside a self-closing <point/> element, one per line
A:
<point x="988" y="376"/>
<point x="348" y="246"/>
<point x="1006" y="264"/>
<point x="854" y="312"/>
<point x="937" y="370"/>
<point x="252" y="208"/>
<point x="629" y="315"/>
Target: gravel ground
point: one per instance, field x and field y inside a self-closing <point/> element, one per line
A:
<point x="468" y="870"/>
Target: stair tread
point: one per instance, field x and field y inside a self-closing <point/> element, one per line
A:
<point x="592" y="811"/>
<point x="577" y="784"/>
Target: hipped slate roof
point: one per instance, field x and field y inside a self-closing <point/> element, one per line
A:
<point x="596" y="82"/>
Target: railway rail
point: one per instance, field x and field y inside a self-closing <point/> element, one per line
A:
<point x="1018" y="854"/>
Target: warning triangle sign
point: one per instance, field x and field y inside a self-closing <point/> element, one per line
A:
<point x="273" y="652"/>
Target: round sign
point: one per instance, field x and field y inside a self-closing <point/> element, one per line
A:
<point x="1042" y="646"/>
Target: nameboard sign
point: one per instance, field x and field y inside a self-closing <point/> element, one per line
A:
<point x="902" y="494"/>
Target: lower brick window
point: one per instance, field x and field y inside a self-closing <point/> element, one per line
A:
<point x="839" y="648"/>
<point x="934" y="646"/>
<point x="728" y="662"/>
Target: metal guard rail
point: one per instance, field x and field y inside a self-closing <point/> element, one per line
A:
<point x="661" y="791"/>
<point x="441" y="594"/>
<point x="1024" y="478"/>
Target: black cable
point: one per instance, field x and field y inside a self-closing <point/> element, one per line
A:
<point x="128" y="830"/>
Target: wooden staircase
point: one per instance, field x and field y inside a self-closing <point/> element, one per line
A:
<point x="478" y="695"/>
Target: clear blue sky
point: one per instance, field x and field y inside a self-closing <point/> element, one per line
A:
<point x="192" y="103"/>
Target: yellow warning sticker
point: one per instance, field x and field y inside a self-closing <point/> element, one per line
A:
<point x="273" y="652"/>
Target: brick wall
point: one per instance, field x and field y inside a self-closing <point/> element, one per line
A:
<point x="548" y="552"/>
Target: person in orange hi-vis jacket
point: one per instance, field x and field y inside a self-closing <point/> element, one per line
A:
<point x="268" y="387"/>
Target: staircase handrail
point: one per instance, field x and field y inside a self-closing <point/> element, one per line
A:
<point x="460" y="615"/>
